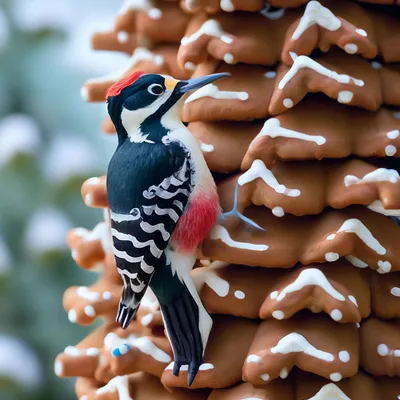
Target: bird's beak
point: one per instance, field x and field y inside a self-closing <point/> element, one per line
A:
<point x="196" y="83"/>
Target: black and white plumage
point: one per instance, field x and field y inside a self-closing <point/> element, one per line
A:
<point x="163" y="202"/>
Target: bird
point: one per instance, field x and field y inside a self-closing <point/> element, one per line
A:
<point x="163" y="203"/>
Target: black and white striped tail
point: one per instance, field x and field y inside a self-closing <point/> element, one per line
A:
<point x="181" y="318"/>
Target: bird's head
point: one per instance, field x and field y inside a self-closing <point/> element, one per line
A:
<point x="142" y="98"/>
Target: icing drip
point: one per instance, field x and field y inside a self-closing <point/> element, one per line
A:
<point x="143" y="5"/>
<point x="362" y="32"/>
<point x="227" y="5"/>
<point x="272" y="128"/>
<point x="336" y="377"/>
<point x="331" y="392"/>
<point x="355" y="226"/>
<point x="316" y="13"/>
<point x="306" y="62"/>
<point x="219" y="232"/>
<point x="311" y="277"/>
<point x="296" y="343"/>
<point x="284" y="373"/>
<point x="336" y="315"/>
<point x="395" y="291"/>
<point x="278" y="212"/>
<point x="206" y="147"/>
<point x="209" y="277"/>
<point x="118" y="384"/>
<point x="379" y="175"/>
<point x="212" y="90"/>
<point x="210" y="28"/>
<point x="345" y="96"/>
<point x="140" y="54"/>
<point x="353" y="300"/>
<point x="252" y="358"/>
<point x="272" y="14"/>
<point x="144" y="344"/>
<point x="356" y="262"/>
<point x="259" y="170"/>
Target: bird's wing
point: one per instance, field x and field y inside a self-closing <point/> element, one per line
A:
<point x="141" y="236"/>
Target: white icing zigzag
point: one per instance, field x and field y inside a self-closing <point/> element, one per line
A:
<point x="379" y="175"/>
<point x="306" y="62"/>
<point x="273" y="128"/>
<point x="118" y="384"/>
<point x="331" y="392"/>
<point x="210" y="28"/>
<point x="259" y="170"/>
<point x="220" y="233"/>
<point x="142" y="5"/>
<point x="316" y="13"/>
<point x="212" y="90"/>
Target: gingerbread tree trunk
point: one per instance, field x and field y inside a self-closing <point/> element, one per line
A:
<point x="302" y="139"/>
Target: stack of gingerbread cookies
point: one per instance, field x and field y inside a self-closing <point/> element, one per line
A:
<point x="305" y="131"/>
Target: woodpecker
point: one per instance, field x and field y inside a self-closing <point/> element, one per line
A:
<point x="163" y="203"/>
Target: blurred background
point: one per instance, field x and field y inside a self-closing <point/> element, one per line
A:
<point x="50" y="142"/>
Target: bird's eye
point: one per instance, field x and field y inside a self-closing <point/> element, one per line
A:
<point x="155" y="89"/>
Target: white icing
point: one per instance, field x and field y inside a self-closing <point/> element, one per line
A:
<point x="206" y="147"/>
<point x="330" y="392"/>
<point x="227" y="5"/>
<point x="345" y="96"/>
<point x="118" y="384"/>
<point x="395" y="291"/>
<point x="307" y="62"/>
<point x="284" y="373"/>
<point x="209" y="276"/>
<point x="252" y="358"/>
<point x="331" y="257"/>
<point x="141" y="5"/>
<point x="228" y="58"/>
<point x="206" y="367"/>
<point x="390" y="150"/>
<point x="210" y="28"/>
<point x="355" y="226"/>
<point x="310" y="277"/>
<point x="351" y="48"/>
<point x="75" y="352"/>
<point x="122" y="36"/>
<point x="212" y="90"/>
<point x="356" y="262"/>
<point x="376" y="65"/>
<point x="259" y="170"/>
<point x="278" y="212"/>
<point x="84" y="293"/>
<point x="189" y="66"/>
<point x="270" y="74"/>
<point x="72" y="316"/>
<point x="272" y="128"/>
<point x="316" y="13"/>
<point x="107" y="295"/>
<point x="296" y="343"/>
<point x="278" y="314"/>
<point x="288" y="103"/>
<point x="336" y="377"/>
<point x="239" y="294"/>
<point x="353" y="300"/>
<point x="393" y="134"/>
<point x="382" y="350"/>
<point x="89" y="311"/>
<point x="336" y="315"/>
<point x="274" y="294"/>
<point x="384" y="267"/>
<point x="146" y="319"/>
<point x="144" y="344"/>
<point x="362" y="32"/>
<point x="344" y="356"/>
<point x="264" y="377"/>
<point x="58" y="368"/>
<point x="272" y="14"/>
<point x="220" y="233"/>
<point x="379" y="175"/>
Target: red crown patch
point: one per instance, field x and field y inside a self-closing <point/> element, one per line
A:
<point x="116" y="89"/>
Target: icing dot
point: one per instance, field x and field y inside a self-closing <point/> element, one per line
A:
<point x="358" y="324"/>
<point x="384" y="267"/>
<point x="278" y="314"/>
<point x="336" y="314"/>
<point x="344" y="356"/>
<point x="284" y="373"/>
<point x="288" y="103"/>
<point x="155" y="13"/>
<point x="278" y="212"/>
<point x="376" y="65"/>
<point x="227" y="5"/>
<point x="206" y="367"/>
<point x="228" y="58"/>
<point x="122" y="36"/>
<point x="270" y="74"/>
<point x="145" y="321"/>
<point x="88" y="199"/>
<point x="351" y="48"/>
<point x="331" y="257"/>
<point x="390" y="150"/>
<point x="207" y="148"/>
<point x="361" y="32"/>
<point x="336" y="376"/>
<point x="158" y="60"/>
<point x="84" y="93"/>
<point x="353" y="300"/>
<point x="264" y="377"/>
<point x="395" y="291"/>
<point x="107" y="295"/>
<point x="252" y="358"/>
<point x="72" y="316"/>
<point x="331" y="236"/>
<point x="58" y="368"/>
<point x="274" y="294"/>
<point x="382" y="350"/>
<point x="393" y="134"/>
<point x="189" y="66"/>
<point x="345" y="96"/>
<point x="90" y="311"/>
<point x="239" y="294"/>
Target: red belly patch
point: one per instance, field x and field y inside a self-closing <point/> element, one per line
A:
<point x="199" y="217"/>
